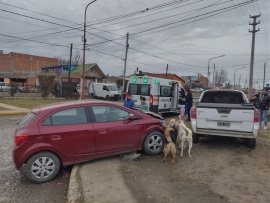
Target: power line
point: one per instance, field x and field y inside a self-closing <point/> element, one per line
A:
<point x="216" y="12"/>
<point x="138" y="24"/>
<point x="37" y="12"/>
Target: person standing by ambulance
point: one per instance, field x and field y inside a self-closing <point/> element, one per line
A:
<point x="189" y="102"/>
<point x="182" y="101"/>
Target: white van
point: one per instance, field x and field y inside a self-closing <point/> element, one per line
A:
<point x="161" y="94"/>
<point x="104" y="90"/>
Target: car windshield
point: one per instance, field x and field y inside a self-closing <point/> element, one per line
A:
<point x="112" y="88"/>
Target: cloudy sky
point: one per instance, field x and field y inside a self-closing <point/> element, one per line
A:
<point x="182" y="33"/>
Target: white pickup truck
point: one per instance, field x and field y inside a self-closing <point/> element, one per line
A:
<point x="225" y="113"/>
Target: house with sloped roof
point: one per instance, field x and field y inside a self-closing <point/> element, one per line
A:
<point x="93" y="73"/>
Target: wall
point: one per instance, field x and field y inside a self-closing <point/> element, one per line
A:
<point x="24" y="65"/>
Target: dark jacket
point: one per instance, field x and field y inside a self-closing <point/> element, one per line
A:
<point x="254" y="101"/>
<point x="189" y="99"/>
<point x="263" y="102"/>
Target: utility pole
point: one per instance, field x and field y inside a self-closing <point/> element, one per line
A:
<point x="253" y="31"/>
<point x="213" y="83"/>
<point x="264" y="75"/>
<point x="70" y="58"/>
<point x="125" y="68"/>
<point x="167" y="70"/>
<point x="239" y="81"/>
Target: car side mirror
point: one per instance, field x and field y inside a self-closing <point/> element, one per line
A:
<point x="131" y="117"/>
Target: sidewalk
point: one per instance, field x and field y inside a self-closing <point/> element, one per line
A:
<point x="13" y="110"/>
<point x="99" y="181"/>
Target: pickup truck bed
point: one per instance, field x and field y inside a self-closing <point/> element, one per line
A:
<point x="224" y="113"/>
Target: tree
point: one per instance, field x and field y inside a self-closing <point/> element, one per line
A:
<point x="221" y="76"/>
<point x="46" y="82"/>
<point x="75" y="60"/>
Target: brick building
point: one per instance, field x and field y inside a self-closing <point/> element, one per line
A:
<point x="29" y="66"/>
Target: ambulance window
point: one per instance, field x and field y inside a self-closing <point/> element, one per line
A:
<point x="145" y="90"/>
<point x="133" y="89"/>
<point x="165" y="91"/>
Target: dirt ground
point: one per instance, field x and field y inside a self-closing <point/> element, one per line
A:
<point x="13" y="186"/>
<point x="220" y="170"/>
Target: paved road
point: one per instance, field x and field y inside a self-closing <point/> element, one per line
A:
<point x="13" y="186"/>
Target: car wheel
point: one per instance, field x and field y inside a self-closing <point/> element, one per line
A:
<point x="195" y="137"/>
<point x="250" y="142"/>
<point x="154" y="143"/>
<point x="108" y="98"/>
<point x="42" y="167"/>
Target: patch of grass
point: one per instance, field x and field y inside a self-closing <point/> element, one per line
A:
<point x="28" y="103"/>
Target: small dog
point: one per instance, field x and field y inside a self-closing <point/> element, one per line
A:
<point x="170" y="136"/>
<point x="185" y="135"/>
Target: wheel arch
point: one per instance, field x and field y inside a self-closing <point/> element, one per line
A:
<point x="51" y="151"/>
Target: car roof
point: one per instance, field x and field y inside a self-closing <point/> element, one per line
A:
<point x="223" y="90"/>
<point x="68" y="104"/>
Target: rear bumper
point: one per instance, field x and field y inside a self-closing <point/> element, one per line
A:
<point x="225" y="133"/>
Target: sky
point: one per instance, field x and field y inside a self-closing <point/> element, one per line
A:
<point x="184" y="34"/>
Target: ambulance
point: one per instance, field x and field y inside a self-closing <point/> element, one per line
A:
<point x="161" y="94"/>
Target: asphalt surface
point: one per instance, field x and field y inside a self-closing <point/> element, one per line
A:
<point x="14" y="187"/>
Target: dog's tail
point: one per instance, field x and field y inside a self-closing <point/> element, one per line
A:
<point x="187" y="129"/>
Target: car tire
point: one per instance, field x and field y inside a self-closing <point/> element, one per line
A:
<point x="42" y="164"/>
<point x="195" y="137"/>
<point x="154" y="143"/>
<point x="250" y="142"/>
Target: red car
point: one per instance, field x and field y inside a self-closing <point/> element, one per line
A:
<point x="72" y="132"/>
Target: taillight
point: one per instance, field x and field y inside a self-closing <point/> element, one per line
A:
<point x="193" y="112"/>
<point x="151" y="100"/>
<point x="256" y="116"/>
<point x="126" y="94"/>
<point x="19" y="139"/>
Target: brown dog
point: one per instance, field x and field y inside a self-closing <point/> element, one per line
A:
<point x="169" y="147"/>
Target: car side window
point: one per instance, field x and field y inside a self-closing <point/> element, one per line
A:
<point x="105" y="88"/>
<point x="109" y="114"/>
<point x="165" y="91"/>
<point x="70" y="116"/>
<point x="133" y="89"/>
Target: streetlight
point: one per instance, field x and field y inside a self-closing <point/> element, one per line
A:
<point x="84" y="45"/>
<point x="234" y="76"/>
<point x="208" y="74"/>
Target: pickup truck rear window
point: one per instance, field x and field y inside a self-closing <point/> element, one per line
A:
<point x="223" y="97"/>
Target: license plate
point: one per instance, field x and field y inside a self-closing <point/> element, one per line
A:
<point x="223" y="124"/>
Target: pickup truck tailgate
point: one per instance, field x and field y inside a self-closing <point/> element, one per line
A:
<point x="232" y="117"/>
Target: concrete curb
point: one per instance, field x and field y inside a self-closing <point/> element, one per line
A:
<point x="9" y="113"/>
<point x="74" y="189"/>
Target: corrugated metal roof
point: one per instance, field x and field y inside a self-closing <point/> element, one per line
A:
<point x="13" y="77"/>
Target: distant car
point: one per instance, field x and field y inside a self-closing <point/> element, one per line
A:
<point x="198" y="89"/>
<point x="72" y="132"/>
<point x="5" y="87"/>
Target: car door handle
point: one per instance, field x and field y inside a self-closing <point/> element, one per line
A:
<point x="102" y="131"/>
<point x="55" y="137"/>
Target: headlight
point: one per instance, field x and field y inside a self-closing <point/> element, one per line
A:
<point x="162" y="122"/>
